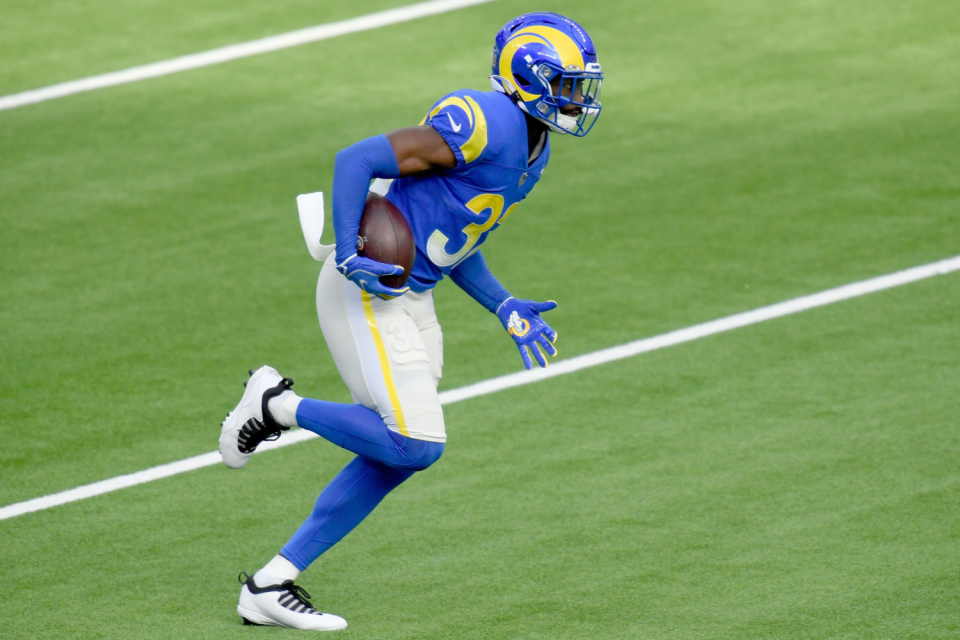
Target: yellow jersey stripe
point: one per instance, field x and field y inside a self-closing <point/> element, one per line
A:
<point x="473" y="147"/>
<point x="477" y="142"/>
<point x="456" y="102"/>
<point x="384" y="363"/>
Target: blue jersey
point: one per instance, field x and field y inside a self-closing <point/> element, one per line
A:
<point x="453" y="211"/>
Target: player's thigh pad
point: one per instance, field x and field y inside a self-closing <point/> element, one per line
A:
<point x="381" y="355"/>
<point x="425" y="317"/>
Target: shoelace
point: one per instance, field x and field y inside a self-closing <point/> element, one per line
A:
<point x="253" y="432"/>
<point x="299" y="594"/>
<point x="299" y="600"/>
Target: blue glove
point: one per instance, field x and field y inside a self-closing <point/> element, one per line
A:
<point x="521" y="319"/>
<point x="365" y="273"/>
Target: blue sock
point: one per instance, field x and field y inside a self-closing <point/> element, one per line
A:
<point x="384" y="460"/>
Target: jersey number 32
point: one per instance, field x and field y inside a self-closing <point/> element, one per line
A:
<point x="437" y="244"/>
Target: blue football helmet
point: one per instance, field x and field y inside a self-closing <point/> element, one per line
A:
<point x="546" y="63"/>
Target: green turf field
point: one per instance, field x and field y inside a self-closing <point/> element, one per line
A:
<point x="795" y="479"/>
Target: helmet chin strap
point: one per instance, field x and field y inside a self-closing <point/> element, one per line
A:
<point x="504" y="86"/>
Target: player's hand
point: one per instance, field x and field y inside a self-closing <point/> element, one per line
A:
<point x="365" y="273"/>
<point x="521" y="319"/>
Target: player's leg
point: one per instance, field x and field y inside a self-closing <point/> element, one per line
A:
<point x="345" y="502"/>
<point x="348" y="499"/>
<point x="379" y="350"/>
<point x="270" y="596"/>
<point x="381" y="354"/>
<point x="362" y="431"/>
<point x="397" y="429"/>
<point x="342" y="505"/>
<point x="387" y="457"/>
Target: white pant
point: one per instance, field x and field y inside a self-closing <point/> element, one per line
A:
<point x="388" y="352"/>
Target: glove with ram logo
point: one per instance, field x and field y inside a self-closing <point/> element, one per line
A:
<point x="521" y="319"/>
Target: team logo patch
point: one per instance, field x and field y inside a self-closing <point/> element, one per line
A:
<point x="517" y="326"/>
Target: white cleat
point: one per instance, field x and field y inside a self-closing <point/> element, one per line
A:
<point x="283" y="605"/>
<point x="250" y="423"/>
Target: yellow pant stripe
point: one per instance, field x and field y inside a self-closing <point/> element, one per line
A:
<point x="384" y="363"/>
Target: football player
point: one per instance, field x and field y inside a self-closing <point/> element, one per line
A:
<point x="456" y="177"/>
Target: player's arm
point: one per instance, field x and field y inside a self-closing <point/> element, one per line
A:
<point x="521" y="318"/>
<point x="399" y="153"/>
<point x="419" y="149"/>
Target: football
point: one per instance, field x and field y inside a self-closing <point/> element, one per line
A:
<point x="386" y="236"/>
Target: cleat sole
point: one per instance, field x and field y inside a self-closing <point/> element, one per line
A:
<point x="255" y="619"/>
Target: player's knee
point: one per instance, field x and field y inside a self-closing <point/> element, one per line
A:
<point x="421" y="454"/>
<point x="416" y="455"/>
<point x="413" y="454"/>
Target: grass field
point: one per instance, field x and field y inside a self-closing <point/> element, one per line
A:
<point x="795" y="479"/>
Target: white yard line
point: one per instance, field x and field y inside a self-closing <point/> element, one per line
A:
<point x="494" y="385"/>
<point x="236" y="51"/>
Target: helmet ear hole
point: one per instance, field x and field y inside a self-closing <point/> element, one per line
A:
<point x="520" y="81"/>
